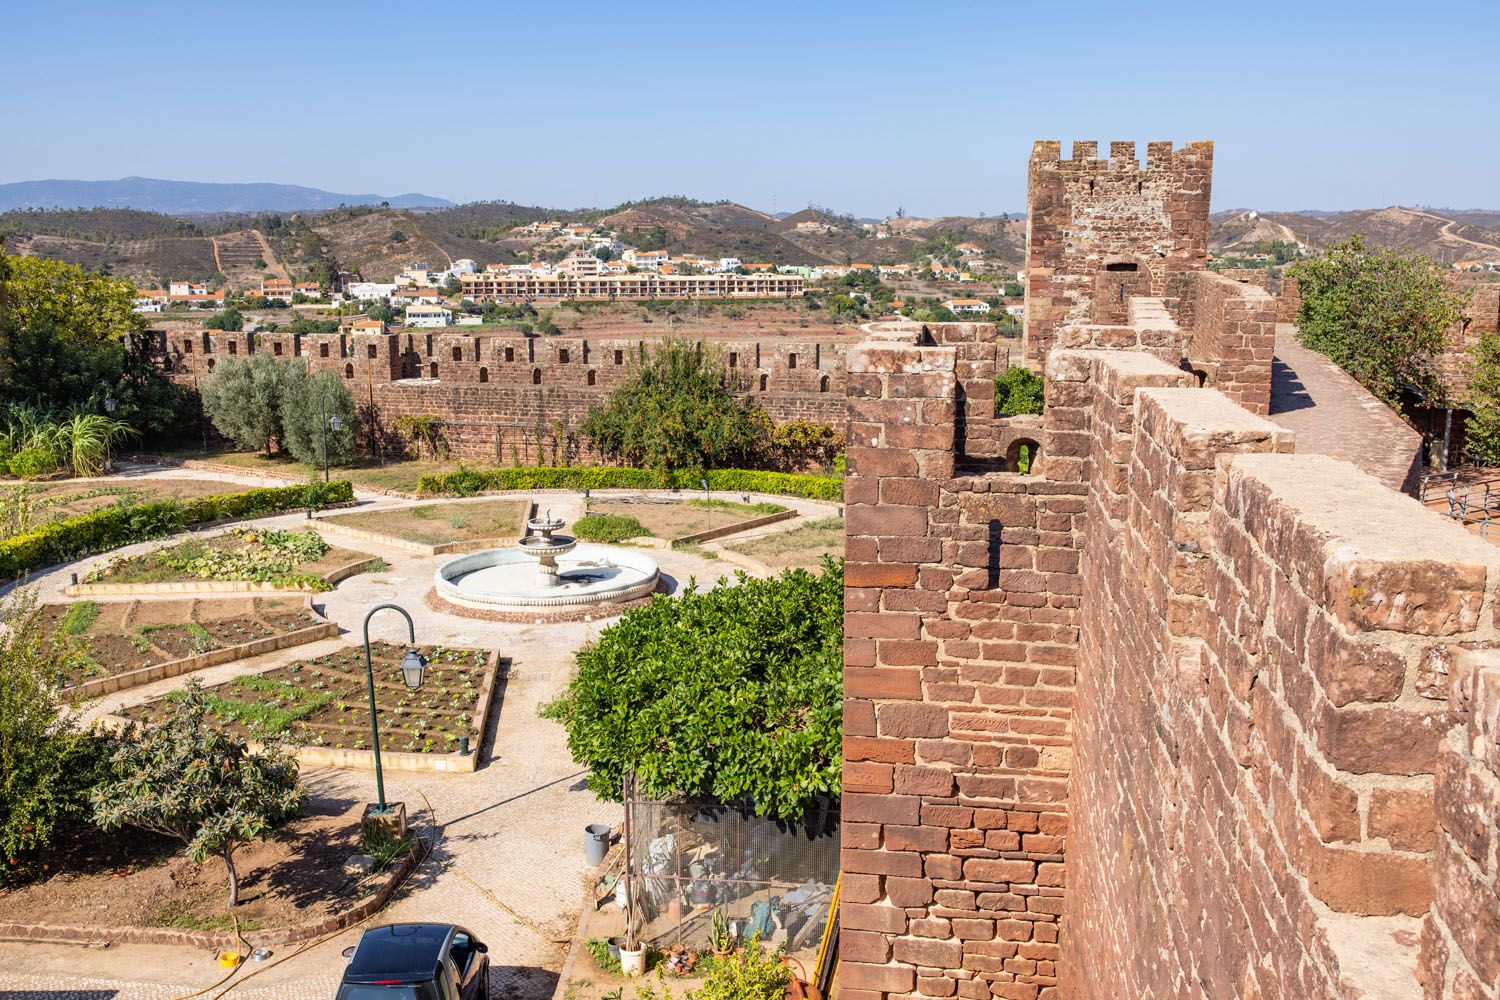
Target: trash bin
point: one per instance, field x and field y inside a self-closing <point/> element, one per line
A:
<point x="595" y="842"/>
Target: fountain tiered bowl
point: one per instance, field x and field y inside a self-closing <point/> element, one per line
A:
<point x="545" y="569"/>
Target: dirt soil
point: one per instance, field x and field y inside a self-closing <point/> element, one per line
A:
<point x="673" y="520"/>
<point x="134" y="878"/>
<point x="438" y="524"/>
<point x="56" y="499"/>
<point x="802" y="547"/>
<point x="324" y="701"/>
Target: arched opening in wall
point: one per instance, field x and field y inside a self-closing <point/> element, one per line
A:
<point x="349" y="370"/>
<point x="484" y="374"/>
<point x="510" y="354"/>
<point x="432" y="370"/>
<point x="1022" y="456"/>
<point x="593" y="378"/>
<point x="458" y="354"/>
<point x="763" y="383"/>
<point x="1201" y="376"/>
<point x="536" y="376"/>
<point x="210" y="364"/>
<point x="322" y="350"/>
<point x="823" y="384"/>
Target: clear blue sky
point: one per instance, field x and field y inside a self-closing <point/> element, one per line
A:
<point x="862" y="107"/>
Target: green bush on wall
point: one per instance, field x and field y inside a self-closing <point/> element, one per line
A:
<point x="74" y="537"/>
<point x="470" y="482"/>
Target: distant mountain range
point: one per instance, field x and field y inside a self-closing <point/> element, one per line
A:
<point x="192" y="197"/>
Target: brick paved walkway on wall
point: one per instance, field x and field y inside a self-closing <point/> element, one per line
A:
<point x="508" y="861"/>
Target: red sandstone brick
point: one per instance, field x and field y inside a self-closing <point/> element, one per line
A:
<point x="883" y="978"/>
<point x="888" y="751"/>
<point x="1404" y="817"/>
<point x="863" y="574"/>
<point x="924" y="781"/>
<point x="860" y="776"/>
<point x="912" y="720"/>
<point x="885" y="682"/>
<point x="908" y="892"/>
<point x="982" y="870"/>
<point x="900" y="809"/>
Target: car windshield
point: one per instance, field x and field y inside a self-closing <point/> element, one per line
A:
<point x="367" y="991"/>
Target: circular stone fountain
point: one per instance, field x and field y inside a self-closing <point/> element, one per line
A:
<point x="546" y="570"/>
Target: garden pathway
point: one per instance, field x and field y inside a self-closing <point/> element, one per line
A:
<point x="507" y="860"/>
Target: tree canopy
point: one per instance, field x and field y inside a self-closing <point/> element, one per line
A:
<point x="243" y="399"/>
<point x="306" y="400"/>
<point x="734" y="693"/>
<point x="1017" y="391"/>
<point x="677" y="410"/>
<point x="189" y="779"/>
<point x="1482" y="432"/>
<point x="70" y="339"/>
<point x="1381" y="315"/>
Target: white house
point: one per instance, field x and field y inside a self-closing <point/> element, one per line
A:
<point x="414" y="296"/>
<point x="422" y="315"/>
<point x="976" y="307"/>
<point x="364" y="290"/>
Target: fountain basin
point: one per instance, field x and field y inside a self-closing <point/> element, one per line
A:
<point x="507" y="578"/>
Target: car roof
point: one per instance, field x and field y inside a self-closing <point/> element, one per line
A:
<point x="399" y="951"/>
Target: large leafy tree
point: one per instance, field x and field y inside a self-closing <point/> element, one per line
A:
<point x="307" y="401"/>
<point x="189" y="779"/>
<point x="1381" y="315"/>
<point x="47" y="764"/>
<point x="243" y="400"/>
<point x="69" y="338"/>
<point x="677" y="410"/>
<point x="1482" y="432"/>
<point x="1019" y="390"/>
<point x="734" y="693"/>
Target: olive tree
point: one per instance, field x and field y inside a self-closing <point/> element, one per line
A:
<point x="307" y="403"/>
<point x="243" y="399"/>
<point x="190" y="779"/>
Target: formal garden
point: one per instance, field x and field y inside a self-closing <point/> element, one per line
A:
<point x="324" y="701"/>
<point x="489" y="522"/>
<point x="625" y="519"/>
<point x="120" y="637"/>
<point x="806" y="546"/>
<point x="285" y="560"/>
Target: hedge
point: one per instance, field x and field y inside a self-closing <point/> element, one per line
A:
<point x="98" y="531"/>
<point x="470" y="482"/>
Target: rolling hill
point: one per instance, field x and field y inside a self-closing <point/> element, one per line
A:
<point x="190" y="197"/>
<point x="1443" y="235"/>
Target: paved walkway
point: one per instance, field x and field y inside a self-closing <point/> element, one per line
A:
<point x="1334" y="415"/>
<point x="508" y="839"/>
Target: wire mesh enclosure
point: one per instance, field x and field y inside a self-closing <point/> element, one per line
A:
<point x="771" y="877"/>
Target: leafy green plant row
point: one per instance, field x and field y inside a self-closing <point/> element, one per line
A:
<point x="472" y="482"/>
<point x="98" y="531"/>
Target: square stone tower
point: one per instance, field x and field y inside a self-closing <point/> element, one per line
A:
<point x="1099" y="231"/>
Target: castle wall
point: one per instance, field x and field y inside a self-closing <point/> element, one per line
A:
<point x="1165" y="718"/>
<point x="503" y="396"/>
<point x="1101" y="230"/>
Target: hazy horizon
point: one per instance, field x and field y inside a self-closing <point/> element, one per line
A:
<point x="861" y="108"/>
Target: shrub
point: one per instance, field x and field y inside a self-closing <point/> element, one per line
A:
<point x="471" y="482"/>
<point x="734" y="693"/>
<point x="307" y="401"/>
<point x="608" y="528"/>
<point x="47" y="764"/>
<point x="1017" y="391"/>
<point x="243" y="399"/>
<point x="110" y="527"/>
<point x="29" y="463"/>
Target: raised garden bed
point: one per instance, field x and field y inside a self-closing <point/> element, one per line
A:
<point x="433" y="529"/>
<point x="126" y="643"/>
<point x="676" y="522"/>
<point x="802" y="547"/>
<point x="239" y="559"/>
<point x="321" y="707"/>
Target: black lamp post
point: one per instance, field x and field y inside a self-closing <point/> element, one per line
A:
<point x="412" y="666"/>
<point x="329" y="423"/>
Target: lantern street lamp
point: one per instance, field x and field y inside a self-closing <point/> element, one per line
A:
<point x="332" y="423"/>
<point x="109" y="404"/>
<point x="412" y="666"/>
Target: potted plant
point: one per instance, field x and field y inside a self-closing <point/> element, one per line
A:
<point x="720" y="937"/>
